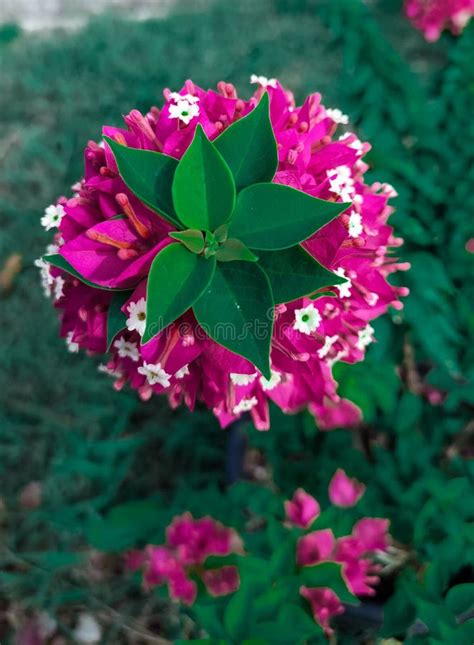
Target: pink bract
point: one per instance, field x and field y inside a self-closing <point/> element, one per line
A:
<point x="433" y="16"/>
<point x="344" y="491"/>
<point x="302" y="510"/>
<point x="189" y="542"/>
<point x="186" y="365"/>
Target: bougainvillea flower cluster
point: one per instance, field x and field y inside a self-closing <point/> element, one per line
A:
<point x="434" y="16"/>
<point x="107" y="240"/>
<point x="189" y="542"/>
<point x="183" y="560"/>
<point x="369" y="536"/>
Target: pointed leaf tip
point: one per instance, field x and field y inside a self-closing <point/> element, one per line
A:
<point x="271" y="217"/>
<point x="249" y="146"/>
<point x="236" y="310"/>
<point x="203" y="187"/>
<point x="148" y="175"/>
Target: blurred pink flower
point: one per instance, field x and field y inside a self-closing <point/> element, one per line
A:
<point x="344" y="491"/>
<point x="189" y="543"/>
<point x="302" y="510"/>
<point x="433" y="16"/>
<point x="315" y="547"/>
<point x="324" y="604"/>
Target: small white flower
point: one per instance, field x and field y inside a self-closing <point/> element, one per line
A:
<point x="51" y="249"/>
<point x="105" y="369"/>
<point x="52" y="216"/>
<point x="356" y="144"/>
<point x="366" y="336"/>
<point x="175" y="96"/>
<point x="355" y="224"/>
<point x="307" y="319"/>
<point x="47" y="279"/>
<point x="344" y="288"/>
<point x="127" y="349"/>
<point x="341" y="182"/>
<point x="58" y="287"/>
<point x="136" y="320"/>
<point x="340" y="355"/>
<point x="72" y="346"/>
<point x="263" y="81"/>
<point x="88" y="630"/>
<point x="243" y="379"/>
<point x="337" y="116"/>
<point x="182" y="372"/>
<point x="326" y="348"/>
<point x="184" y="111"/>
<point x="272" y="382"/>
<point x="389" y="190"/>
<point x="245" y="405"/>
<point x="155" y="374"/>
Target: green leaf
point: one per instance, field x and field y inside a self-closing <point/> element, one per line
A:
<point x="191" y="238"/>
<point x="176" y="280"/>
<point x="149" y="175"/>
<point x="236" y="310"/>
<point x="125" y="526"/>
<point x="208" y="616"/>
<point x="238" y="613"/>
<point x="58" y="261"/>
<point x="116" y="319"/>
<point x="203" y="187"/>
<point x="328" y="574"/>
<point x="294" y="273"/>
<point x="249" y="147"/>
<point x="270" y="217"/>
<point x="460" y="598"/>
<point x="233" y="250"/>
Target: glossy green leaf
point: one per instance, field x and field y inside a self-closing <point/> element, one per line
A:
<point x="236" y="310"/>
<point x="191" y="238"/>
<point x="116" y="319"/>
<point x="233" y="250"/>
<point x="294" y="273"/>
<point x="249" y="146"/>
<point x="149" y="175"/>
<point x="58" y="261"/>
<point x="270" y="217"/>
<point x="328" y="574"/>
<point x="176" y="280"/>
<point x="203" y="187"/>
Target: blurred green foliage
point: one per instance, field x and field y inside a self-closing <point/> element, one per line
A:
<point x="94" y="450"/>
